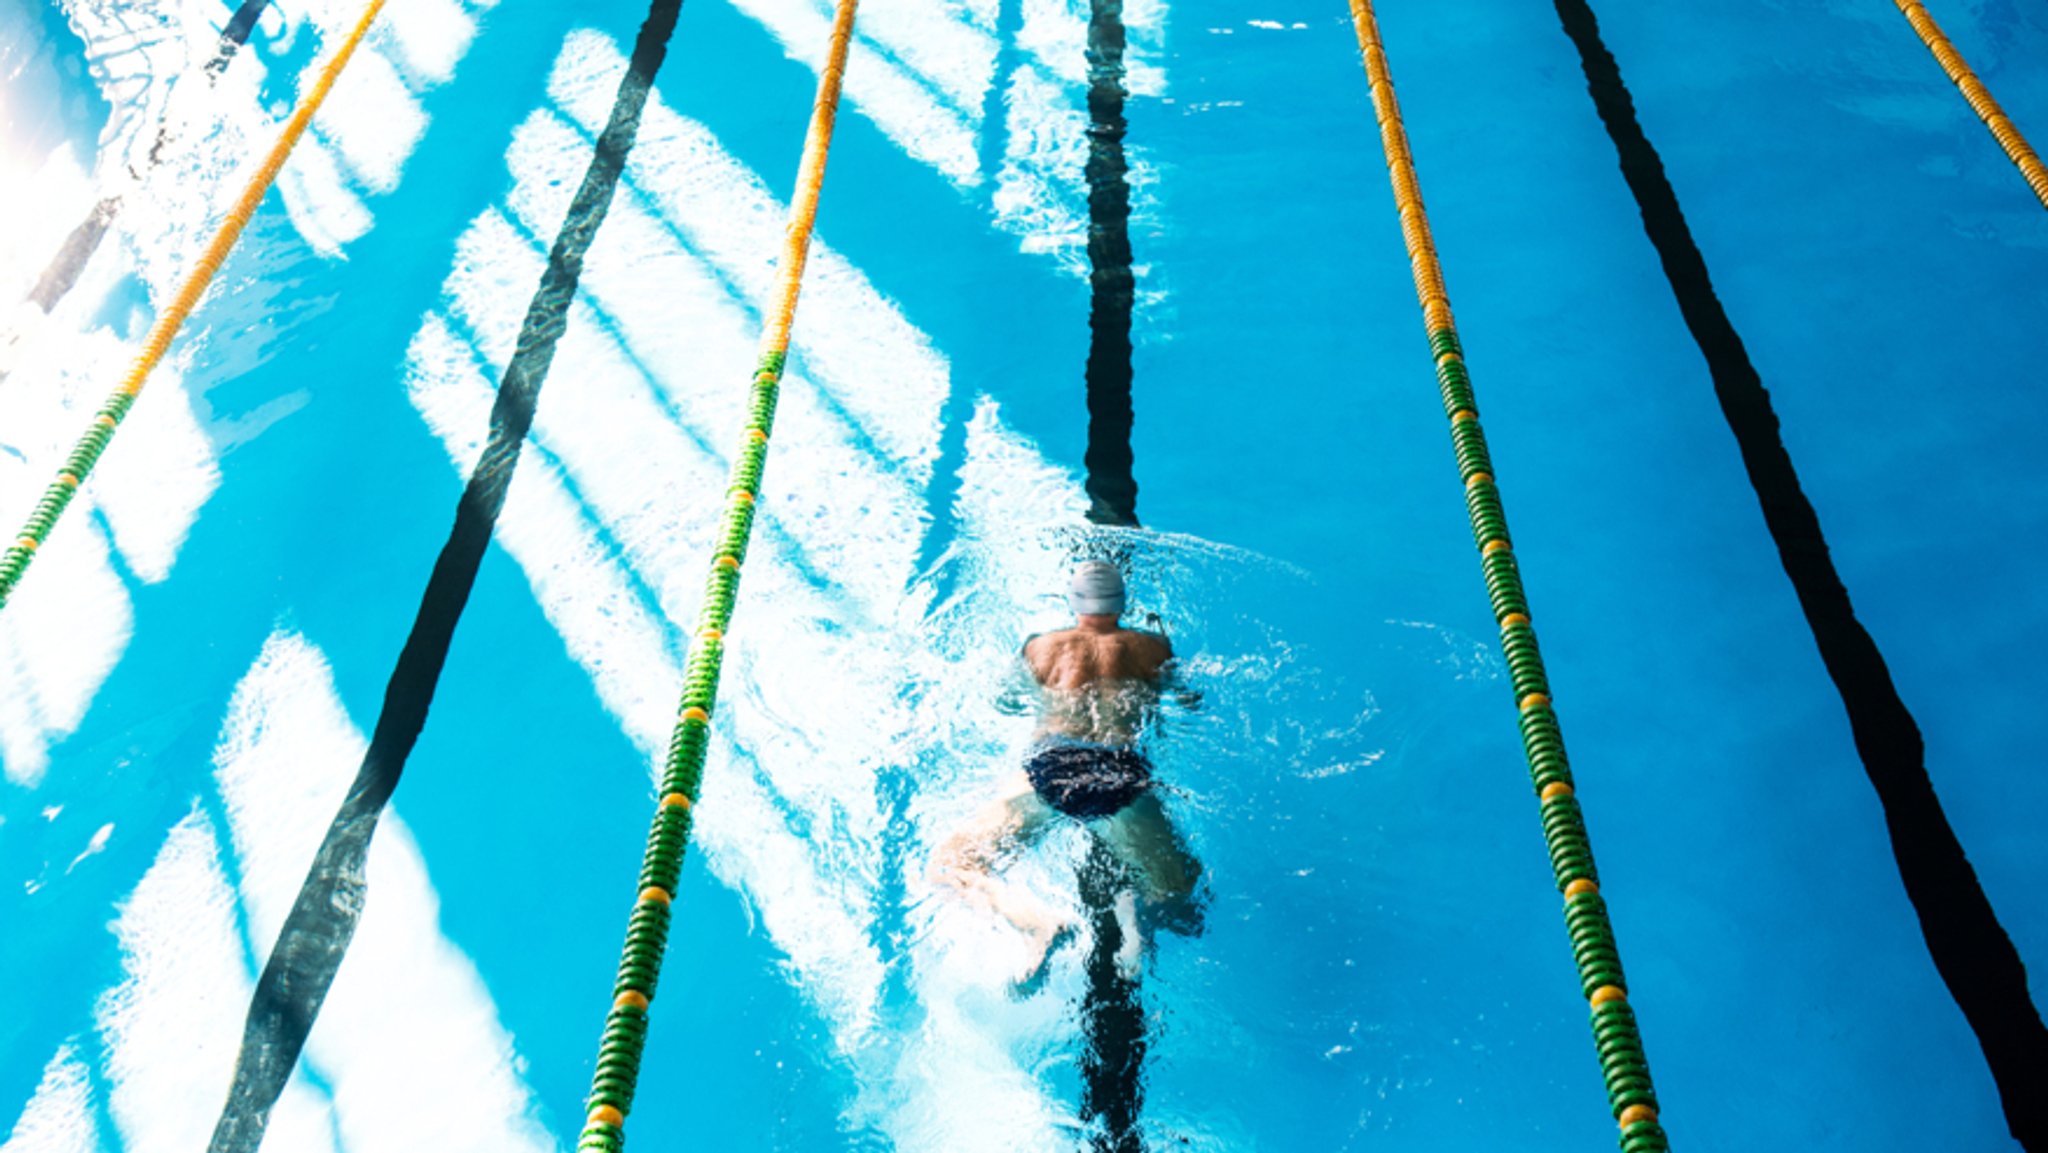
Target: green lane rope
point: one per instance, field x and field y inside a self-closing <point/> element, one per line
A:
<point x="625" y="1027"/>
<point x="78" y="465"/>
<point x="1627" y="1071"/>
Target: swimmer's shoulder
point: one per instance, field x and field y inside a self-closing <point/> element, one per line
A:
<point x="1045" y="643"/>
<point x="1154" y="641"/>
<point x="1152" y="647"/>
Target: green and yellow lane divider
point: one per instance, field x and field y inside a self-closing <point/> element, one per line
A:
<point x="1627" y="1070"/>
<point x="625" y="1027"/>
<point x="86" y="453"/>
<point x="1979" y="97"/>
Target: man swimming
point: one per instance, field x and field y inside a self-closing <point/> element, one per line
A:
<point x="1099" y="687"/>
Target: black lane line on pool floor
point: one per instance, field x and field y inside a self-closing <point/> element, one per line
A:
<point x="1112" y="1014"/>
<point x="316" y="936"/>
<point x="64" y="268"/>
<point x="1112" y="1018"/>
<point x="1970" y="948"/>
<point x="235" y="34"/>
<point x="1112" y="490"/>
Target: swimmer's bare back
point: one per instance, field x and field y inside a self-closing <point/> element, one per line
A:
<point x="1100" y="681"/>
<point x="1073" y="659"/>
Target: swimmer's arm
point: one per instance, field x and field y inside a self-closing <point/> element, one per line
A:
<point x="1168" y="678"/>
<point x="1162" y="658"/>
<point x="1035" y="662"/>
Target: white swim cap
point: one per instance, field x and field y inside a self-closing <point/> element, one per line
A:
<point x="1097" y="589"/>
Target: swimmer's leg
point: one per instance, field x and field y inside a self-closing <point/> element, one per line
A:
<point x="1144" y="839"/>
<point x="1110" y="893"/>
<point x="968" y="860"/>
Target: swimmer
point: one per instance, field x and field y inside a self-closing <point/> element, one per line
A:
<point x="1099" y="686"/>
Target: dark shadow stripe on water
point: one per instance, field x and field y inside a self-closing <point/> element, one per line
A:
<point x="1970" y="948"/>
<point x="315" y="938"/>
<point x="1112" y="489"/>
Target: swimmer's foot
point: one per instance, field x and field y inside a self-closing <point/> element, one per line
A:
<point x="1130" y="949"/>
<point x="1045" y="938"/>
<point x="1130" y="959"/>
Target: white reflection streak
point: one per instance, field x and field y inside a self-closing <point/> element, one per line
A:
<point x="175" y="148"/>
<point x="1039" y="191"/>
<point x="626" y="647"/>
<point x="728" y="218"/>
<point x="59" y="638"/>
<point x="900" y="101"/>
<point x="372" y="121"/>
<point x="172" y="1025"/>
<point x="408" y="1042"/>
<point x="684" y="330"/>
<point x="923" y="71"/>
<point x="59" y="1118"/>
<point x="1041" y="194"/>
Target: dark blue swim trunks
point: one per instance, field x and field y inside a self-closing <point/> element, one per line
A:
<point x="1085" y="780"/>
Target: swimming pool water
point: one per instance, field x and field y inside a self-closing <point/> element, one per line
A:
<point x="190" y="671"/>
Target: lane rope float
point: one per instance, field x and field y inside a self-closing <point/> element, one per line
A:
<point x="1630" y="1094"/>
<point x="86" y="453"/>
<point x="1979" y="97"/>
<point x="625" y="1027"/>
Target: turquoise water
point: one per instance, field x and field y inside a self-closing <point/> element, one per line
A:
<point x="191" y="668"/>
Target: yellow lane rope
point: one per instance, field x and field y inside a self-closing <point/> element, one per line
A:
<point x="1979" y="97"/>
<point x="87" y="452"/>
<point x="1630" y="1095"/>
<point x="625" y="1027"/>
